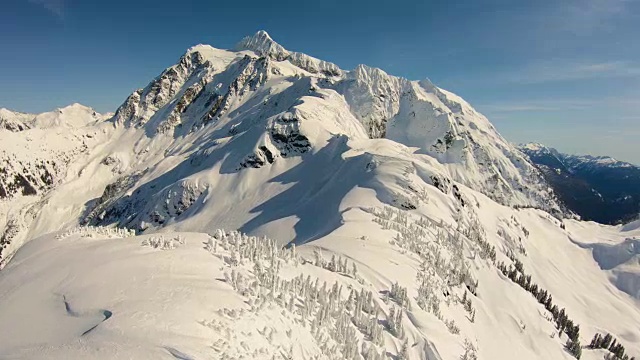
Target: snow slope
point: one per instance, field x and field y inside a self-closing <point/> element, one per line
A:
<point x="180" y="301"/>
<point x="403" y="183"/>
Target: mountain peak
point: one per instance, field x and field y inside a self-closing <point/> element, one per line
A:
<point x="76" y="106"/>
<point x="262" y="44"/>
<point x="262" y="34"/>
<point x="534" y="146"/>
<point x="199" y="48"/>
<point x="8" y="112"/>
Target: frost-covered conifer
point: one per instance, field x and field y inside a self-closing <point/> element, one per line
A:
<point x="404" y="351"/>
<point x="469" y="351"/>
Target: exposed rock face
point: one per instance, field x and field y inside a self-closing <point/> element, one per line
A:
<point x="106" y="208"/>
<point x="143" y="207"/>
<point x="143" y="103"/>
<point x="284" y="139"/>
<point x="32" y="176"/>
<point x="285" y="134"/>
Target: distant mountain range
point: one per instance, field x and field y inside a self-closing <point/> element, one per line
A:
<point x="598" y="188"/>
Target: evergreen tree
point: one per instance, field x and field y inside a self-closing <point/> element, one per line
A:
<point x="606" y="341"/>
<point x="574" y="348"/>
<point x="547" y="303"/>
<point x="595" y="342"/>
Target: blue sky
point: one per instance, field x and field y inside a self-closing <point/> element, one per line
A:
<point x="562" y="72"/>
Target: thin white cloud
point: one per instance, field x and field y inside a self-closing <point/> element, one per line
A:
<point x="56" y="7"/>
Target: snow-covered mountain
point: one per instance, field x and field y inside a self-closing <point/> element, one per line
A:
<point x="367" y="217"/>
<point x="74" y="115"/>
<point x="228" y="93"/>
<point x="35" y="154"/>
<point x="597" y="188"/>
<point x="14" y="121"/>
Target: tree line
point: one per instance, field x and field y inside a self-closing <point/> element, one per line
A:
<point x="610" y="343"/>
<point x="516" y="274"/>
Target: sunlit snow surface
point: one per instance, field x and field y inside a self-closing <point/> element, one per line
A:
<point x="288" y="150"/>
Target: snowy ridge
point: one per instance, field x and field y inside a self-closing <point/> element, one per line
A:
<point x="588" y="160"/>
<point x="263" y="45"/>
<point x="367" y="216"/>
<point x="574" y="160"/>
<point x="535" y="147"/>
<point x="73" y="116"/>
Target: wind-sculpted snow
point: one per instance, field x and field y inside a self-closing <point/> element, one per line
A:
<point x="622" y="260"/>
<point x="634" y="225"/>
